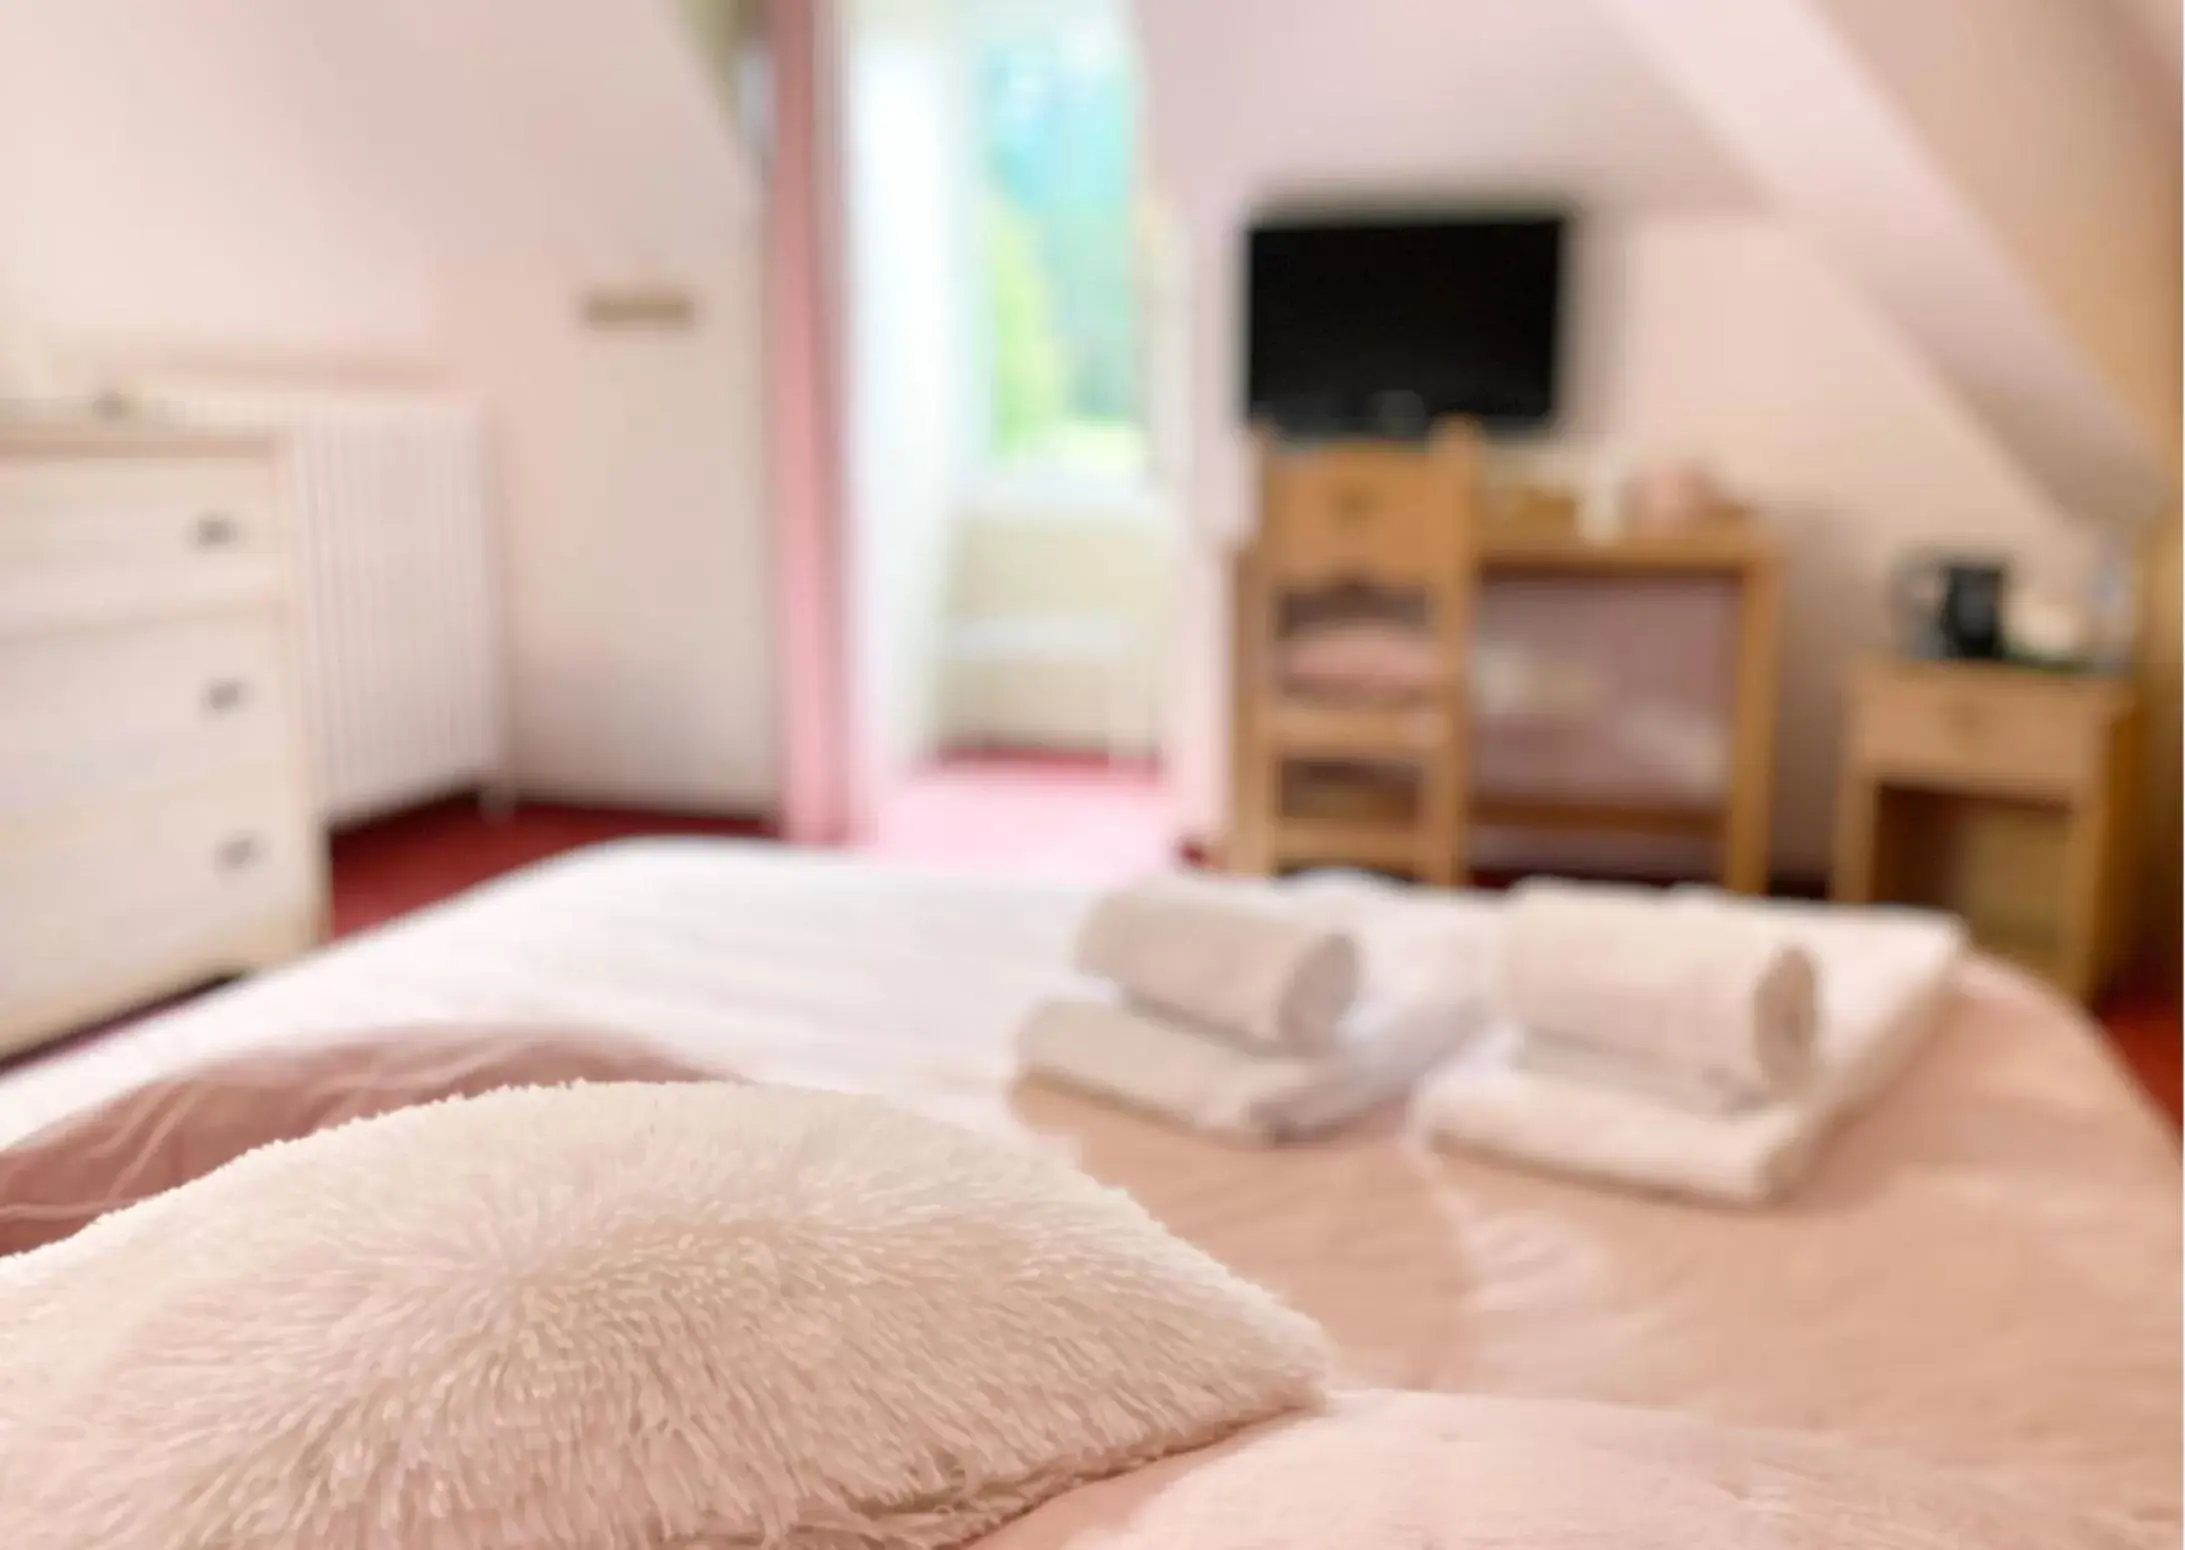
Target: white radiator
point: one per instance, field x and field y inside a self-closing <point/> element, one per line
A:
<point x="401" y="629"/>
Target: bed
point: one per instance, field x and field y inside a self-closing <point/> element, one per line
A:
<point x="1983" y="1273"/>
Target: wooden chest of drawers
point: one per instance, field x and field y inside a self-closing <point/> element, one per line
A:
<point x="156" y="827"/>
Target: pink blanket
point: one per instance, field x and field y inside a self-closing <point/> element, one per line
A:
<point x="1386" y="1471"/>
<point x="1982" y="1273"/>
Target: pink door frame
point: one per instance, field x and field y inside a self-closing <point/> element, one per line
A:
<point x="805" y="418"/>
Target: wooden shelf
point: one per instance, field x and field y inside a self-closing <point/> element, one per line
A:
<point x="1311" y="842"/>
<point x="1726" y="550"/>
<point x="1408" y="521"/>
<point x="1399" y="730"/>
<point x="1702" y="820"/>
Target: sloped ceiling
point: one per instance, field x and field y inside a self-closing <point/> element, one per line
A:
<point x="2052" y="124"/>
<point x="577" y="127"/>
<point x="1989" y="173"/>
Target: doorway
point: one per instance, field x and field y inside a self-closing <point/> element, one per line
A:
<point x="1011" y="546"/>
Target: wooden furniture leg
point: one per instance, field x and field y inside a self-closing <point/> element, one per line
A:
<point x="1858" y="811"/>
<point x="1746" y="811"/>
<point x="1253" y="778"/>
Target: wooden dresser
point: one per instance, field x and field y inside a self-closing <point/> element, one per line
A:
<point x="156" y="827"/>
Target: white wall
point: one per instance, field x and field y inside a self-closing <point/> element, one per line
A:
<point x="174" y="178"/>
<point x="16" y="367"/>
<point x="578" y="147"/>
<point x="434" y="184"/>
<point x="1702" y="327"/>
<point x="908" y="377"/>
<point x="640" y="636"/>
<point x="1738" y="345"/>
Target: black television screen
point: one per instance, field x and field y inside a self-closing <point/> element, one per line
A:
<point x="1385" y="325"/>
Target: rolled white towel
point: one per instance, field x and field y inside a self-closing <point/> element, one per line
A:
<point x="1136" y="1058"/>
<point x="1888" y="973"/>
<point x="1693" y="997"/>
<point x="1599" y="1065"/>
<point x="1228" y="957"/>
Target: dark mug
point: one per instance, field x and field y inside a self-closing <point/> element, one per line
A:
<point x="1951" y="607"/>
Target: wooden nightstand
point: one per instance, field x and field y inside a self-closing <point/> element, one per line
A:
<point x="2001" y="794"/>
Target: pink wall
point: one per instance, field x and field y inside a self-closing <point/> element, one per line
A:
<point x="805" y="429"/>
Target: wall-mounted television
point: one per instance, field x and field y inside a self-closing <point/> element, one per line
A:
<point x="1381" y="325"/>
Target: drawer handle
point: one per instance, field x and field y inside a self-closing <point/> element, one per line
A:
<point x="225" y="694"/>
<point x="217" y="530"/>
<point x="1353" y="506"/>
<point x="1965" y="719"/>
<point x="237" y="852"/>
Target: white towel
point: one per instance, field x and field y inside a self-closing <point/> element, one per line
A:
<point x="1882" y="973"/>
<point x="1596" y="1065"/>
<point x="1417" y="944"/>
<point x="1137" y="1058"/>
<point x="1715" y="1001"/>
<point x="1224" y="955"/>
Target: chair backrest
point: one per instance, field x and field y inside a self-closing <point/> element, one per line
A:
<point x="1386" y="529"/>
<point x="1374" y="530"/>
<point x="1373" y="513"/>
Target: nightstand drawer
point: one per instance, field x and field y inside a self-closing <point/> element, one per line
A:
<point x="1981" y="729"/>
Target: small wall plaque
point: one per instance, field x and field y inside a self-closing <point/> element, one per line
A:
<point x="665" y="308"/>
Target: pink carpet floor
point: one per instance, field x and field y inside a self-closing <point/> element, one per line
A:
<point x="1077" y="821"/>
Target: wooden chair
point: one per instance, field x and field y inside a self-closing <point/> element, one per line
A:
<point x="1362" y="519"/>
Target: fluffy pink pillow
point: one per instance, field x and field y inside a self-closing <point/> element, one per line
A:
<point x="1402" y="1471"/>
<point x="181" y="1127"/>
<point x="616" y="1317"/>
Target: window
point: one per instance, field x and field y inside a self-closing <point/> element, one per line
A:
<point x="1054" y="120"/>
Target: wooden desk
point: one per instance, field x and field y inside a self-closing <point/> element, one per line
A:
<point x="2001" y="794"/>
<point x="1410" y="522"/>
<point x="1739" y="554"/>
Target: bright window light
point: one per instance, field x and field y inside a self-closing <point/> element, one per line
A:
<point x="1054" y="120"/>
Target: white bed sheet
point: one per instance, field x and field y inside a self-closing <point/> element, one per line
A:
<point x="790" y="966"/>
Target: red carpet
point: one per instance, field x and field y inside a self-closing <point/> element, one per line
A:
<point x="395" y="865"/>
<point x="2142" y="1018"/>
